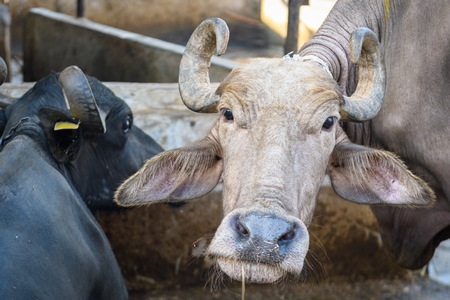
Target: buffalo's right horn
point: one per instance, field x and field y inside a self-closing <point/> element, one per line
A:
<point x="366" y="101"/>
<point x="193" y="81"/>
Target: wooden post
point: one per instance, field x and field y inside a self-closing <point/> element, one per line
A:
<point x="291" y="43"/>
<point x="81" y="8"/>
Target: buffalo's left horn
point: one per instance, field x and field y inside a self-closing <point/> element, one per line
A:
<point x="80" y="99"/>
<point x="366" y="101"/>
<point x="193" y="81"/>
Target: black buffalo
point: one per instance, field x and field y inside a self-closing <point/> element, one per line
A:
<point x="58" y="149"/>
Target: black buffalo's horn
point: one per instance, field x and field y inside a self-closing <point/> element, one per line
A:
<point x="80" y="99"/>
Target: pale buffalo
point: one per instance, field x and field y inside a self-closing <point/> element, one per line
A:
<point x="278" y="135"/>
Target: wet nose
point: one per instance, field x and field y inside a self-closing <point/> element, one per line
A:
<point x="265" y="237"/>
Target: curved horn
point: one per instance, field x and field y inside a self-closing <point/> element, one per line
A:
<point x="193" y="80"/>
<point x="80" y="99"/>
<point x="366" y="101"/>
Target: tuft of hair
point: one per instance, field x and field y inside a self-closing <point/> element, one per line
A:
<point x="215" y="278"/>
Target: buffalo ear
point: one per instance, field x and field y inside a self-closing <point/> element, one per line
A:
<point x="370" y="176"/>
<point x="63" y="133"/>
<point x="174" y="175"/>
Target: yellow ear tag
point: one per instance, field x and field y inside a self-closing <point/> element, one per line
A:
<point x="66" y="125"/>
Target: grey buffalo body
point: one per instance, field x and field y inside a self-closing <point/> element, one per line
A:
<point x="381" y="69"/>
<point x="52" y="158"/>
<point x="412" y="122"/>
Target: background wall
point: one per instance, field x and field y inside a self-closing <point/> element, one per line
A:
<point x="170" y="20"/>
<point x="53" y="41"/>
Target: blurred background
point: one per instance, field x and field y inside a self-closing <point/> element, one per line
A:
<point x="258" y="27"/>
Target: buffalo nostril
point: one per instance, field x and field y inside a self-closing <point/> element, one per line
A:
<point x="241" y="228"/>
<point x="289" y="235"/>
<point x="262" y="237"/>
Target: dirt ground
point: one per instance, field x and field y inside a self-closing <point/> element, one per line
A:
<point x="415" y="288"/>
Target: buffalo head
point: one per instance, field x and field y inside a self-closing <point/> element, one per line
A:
<point x="88" y="130"/>
<point x="275" y="140"/>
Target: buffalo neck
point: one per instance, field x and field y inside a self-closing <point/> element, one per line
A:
<point x="331" y="42"/>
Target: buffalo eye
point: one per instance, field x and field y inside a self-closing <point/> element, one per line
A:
<point x="329" y="122"/>
<point x="127" y="124"/>
<point x="228" y="114"/>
